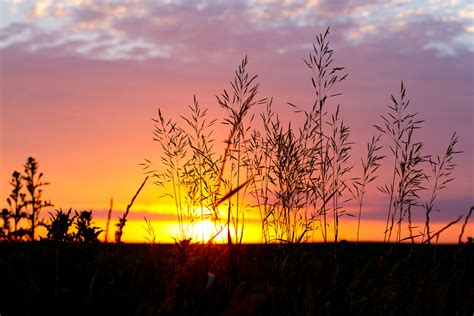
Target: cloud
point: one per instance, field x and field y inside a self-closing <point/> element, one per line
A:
<point x="152" y="30"/>
<point x="15" y="33"/>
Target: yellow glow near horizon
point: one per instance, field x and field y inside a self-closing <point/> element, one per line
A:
<point x="370" y="231"/>
<point x="167" y="230"/>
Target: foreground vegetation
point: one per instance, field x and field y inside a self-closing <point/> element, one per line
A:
<point x="126" y="279"/>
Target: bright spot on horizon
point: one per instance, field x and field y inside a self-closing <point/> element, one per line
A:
<point x="204" y="230"/>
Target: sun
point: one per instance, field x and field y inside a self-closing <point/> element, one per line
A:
<point x="204" y="230"/>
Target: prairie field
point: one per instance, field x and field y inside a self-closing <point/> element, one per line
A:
<point x="250" y="279"/>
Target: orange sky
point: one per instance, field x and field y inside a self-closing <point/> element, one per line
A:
<point x="80" y="80"/>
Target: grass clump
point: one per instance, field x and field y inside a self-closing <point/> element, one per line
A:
<point x="410" y="176"/>
<point x="25" y="203"/>
<point x="190" y="174"/>
<point x="196" y="179"/>
<point x="301" y="172"/>
<point x="65" y="227"/>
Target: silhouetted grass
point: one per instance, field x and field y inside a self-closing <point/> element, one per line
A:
<point x="107" y="225"/>
<point x="466" y="220"/>
<point x="123" y="220"/>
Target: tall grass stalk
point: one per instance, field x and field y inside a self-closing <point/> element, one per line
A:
<point x="438" y="233"/>
<point x="441" y="169"/>
<point x="16" y="203"/>
<point x="369" y="168"/>
<point x="325" y="77"/>
<point x="238" y="104"/>
<point x="407" y="174"/>
<point x="33" y="200"/>
<point x="201" y="170"/>
<point x="109" y="215"/>
<point x="340" y="151"/>
<point x="173" y="142"/>
<point x="412" y="174"/>
<point x="150" y="232"/>
<point x="466" y="220"/>
<point x="123" y="220"/>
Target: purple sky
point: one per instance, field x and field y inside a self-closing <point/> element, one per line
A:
<point x="80" y="80"/>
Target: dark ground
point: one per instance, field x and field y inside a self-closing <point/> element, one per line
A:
<point x="44" y="278"/>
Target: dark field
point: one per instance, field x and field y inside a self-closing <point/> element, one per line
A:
<point x="132" y="279"/>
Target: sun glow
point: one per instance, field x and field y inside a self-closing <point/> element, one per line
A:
<point x="205" y="230"/>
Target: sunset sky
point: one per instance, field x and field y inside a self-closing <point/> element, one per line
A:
<point x="80" y="81"/>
